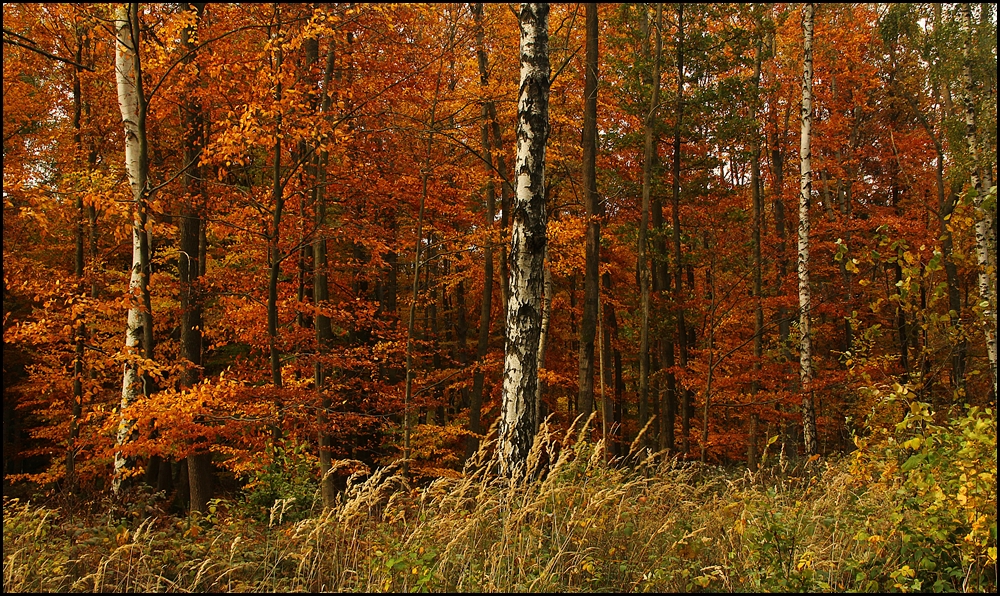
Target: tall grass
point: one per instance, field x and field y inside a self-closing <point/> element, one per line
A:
<point x="585" y="524"/>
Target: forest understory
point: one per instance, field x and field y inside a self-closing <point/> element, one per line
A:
<point x="912" y="509"/>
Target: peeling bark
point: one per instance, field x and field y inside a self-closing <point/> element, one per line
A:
<point x="805" y="189"/>
<point x="128" y="77"/>
<point x="527" y="245"/>
<point x="985" y="249"/>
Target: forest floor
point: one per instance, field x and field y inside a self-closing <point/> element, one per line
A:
<point x="912" y="509"/>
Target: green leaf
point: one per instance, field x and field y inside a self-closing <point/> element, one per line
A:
<point x="914" y="461"/>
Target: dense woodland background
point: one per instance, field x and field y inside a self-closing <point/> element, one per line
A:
<point x="292" y="149"/>
<point x="278" y="301"/>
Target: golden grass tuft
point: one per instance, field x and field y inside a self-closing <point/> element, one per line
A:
<point x="583" y="524"/>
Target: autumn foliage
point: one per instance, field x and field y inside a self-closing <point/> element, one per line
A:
<point x="327" y="128"/>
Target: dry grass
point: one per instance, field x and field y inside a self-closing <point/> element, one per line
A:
<point x="586" y="525"/>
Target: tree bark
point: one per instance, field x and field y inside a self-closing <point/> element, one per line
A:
<point x="782" y="315"/>
<point x="805" y="188"/>
<point x="189" y="260"/>
<point x="609" y="398"/>
<point x="985" y="249"/>
<point x="321" y="294"/>
<point x="947" y="200"/>
<point x="486" y="305"/>
<point x="664" y="405"/>
<point x="645" y="274"/>
<point x="676" y="222"/>
<point x="527" y="246"/>
<point x="274" y="256"/>
<point x="711" y="369"/>
<point x="588" y="324"/>
<point x="758" y="281"/>
<point x="543" y="335"/>
<point x="128" y="75"/>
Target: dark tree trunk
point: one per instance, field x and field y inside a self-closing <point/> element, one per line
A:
<point x="486" y="305"/>
<point x="588" y="324"/>
<point x="189" y="261"/>
<point x="758" y="281"/>
<point x="80" y="329"/>
<point x="643" y="262"/>
<point x="321" y="294"/>
<point x="682" y="332"/>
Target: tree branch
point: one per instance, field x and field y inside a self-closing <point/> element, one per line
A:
<point x="39" y="50"/>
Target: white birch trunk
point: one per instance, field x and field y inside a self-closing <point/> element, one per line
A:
<point x="543" y="334"/>
<point x="128" y="101"/>
<point x="805" y="188"/>
<point x="985" y="244"/>
<point x="517" y="419"/>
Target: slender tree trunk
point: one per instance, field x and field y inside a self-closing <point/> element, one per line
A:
<point x="608" y="398"/>
<point x="486" y="307"/>
<point x="946" y="205"/>
<point x="710" y="377"/>
<point x="758" y="280"/>
<point x="676" y="221"/>
<point x="92" y="240"/>
<point x="189" y="260"/>
<point x="902" y="326"/>
<point x="128" y="74"/>
<point x="321" y="294"/>
<point x="527" y="247"/>
<point x="985" y="249"/>
<point x="591" y="281"/>
<point x="274" y="256"/>
<point x="645" y="274"/>
<point x="781" y="230"/>
<point x="304" y="264"/>
<point x="665" y="402"/>
<point x="411" y="322"/>
<point x="805" y="189"/>
<point x="947" y="201"/>
<point x="80" y="328"/>
<point x="543" y="336"/>
<point x="506" y="202"/>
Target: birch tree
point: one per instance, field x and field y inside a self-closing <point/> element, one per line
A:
<point x="138" y="326"/>
<point x="805" y="188"/>
<point x="527" y="245"/>
<point x="985" y="242"/>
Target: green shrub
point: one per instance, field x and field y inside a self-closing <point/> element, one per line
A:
<point x="942" y="476"/>
<point x="283" y="490"/>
